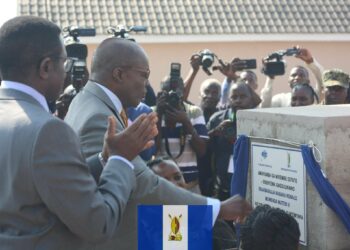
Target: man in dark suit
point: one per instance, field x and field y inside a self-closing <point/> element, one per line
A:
<point x="49" y="200"/>
<point x="119" y="74"/>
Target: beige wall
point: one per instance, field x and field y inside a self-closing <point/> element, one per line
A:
<point x="329" y="54"/>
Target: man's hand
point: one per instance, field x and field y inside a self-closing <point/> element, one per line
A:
<point x="305" y="55"/>
<point x="161" y="103"/>
<point x="176" y="115"/>
<point x="234" y="208"/>
<point x="229" y="69"/>
<point x="237" y="64"/>
<point x="131" y="141"/>
<point x="218" y="131"/>
<point x="195" y="62"/>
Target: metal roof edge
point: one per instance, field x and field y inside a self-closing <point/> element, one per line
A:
<point x="228" y="38"/>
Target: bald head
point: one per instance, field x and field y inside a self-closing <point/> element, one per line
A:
<point x="122" y="67"/>
<point x="115" y="52"/>
<point x="298" y="75"/>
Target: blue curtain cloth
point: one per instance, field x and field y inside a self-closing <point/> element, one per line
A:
<point x="329" y="195"/>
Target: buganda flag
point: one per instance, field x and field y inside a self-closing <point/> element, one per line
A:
<point x="177" y="227"/>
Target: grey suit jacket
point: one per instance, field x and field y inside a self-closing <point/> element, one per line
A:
<point x="49" y="200"/>
<point x="88" y="117"/>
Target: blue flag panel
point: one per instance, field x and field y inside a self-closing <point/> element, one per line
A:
<point x="192" y="228"/>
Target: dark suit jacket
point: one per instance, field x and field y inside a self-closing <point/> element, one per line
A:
<point x="88" y="115"/>
<point x="49" y="199"/>
<point x="221" y="150"/>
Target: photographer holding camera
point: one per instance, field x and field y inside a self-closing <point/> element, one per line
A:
<point x="77" y="73"/>
<point x="210" y="92"/>
<point x="210" y="89"/>
<point x="204" y="58"/>
<point x="182" y="131"/>
<point x="230" y="71"/>
<point x="222" y="134"/>
<point x="297" y="75"/>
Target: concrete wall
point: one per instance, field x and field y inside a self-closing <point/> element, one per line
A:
<point x="329" y="128"/>
<point x="329" y="54"/>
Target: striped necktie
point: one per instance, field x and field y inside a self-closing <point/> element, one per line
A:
<point x="124" y="117"/>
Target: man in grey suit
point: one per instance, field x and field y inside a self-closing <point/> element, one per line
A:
<point x="49" y="199"/>
<point x="119" y="74"/>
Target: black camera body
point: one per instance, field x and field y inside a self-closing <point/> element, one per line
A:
<point x="78" y="74"/>
<point x="274" y="68"/>
<point x="73" y="46"/>
<point x="75" y="49"/>
<point x="175" y="74"/>
<point x="78" y="53"/>
<point x="173" y="99"/>
<point x="273" y="64"/>
<point x="207" y="60"/>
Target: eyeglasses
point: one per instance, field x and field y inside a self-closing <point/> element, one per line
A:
<point x="144" y="72"/>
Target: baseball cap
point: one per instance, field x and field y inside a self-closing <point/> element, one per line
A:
<point x="335" y="77"/>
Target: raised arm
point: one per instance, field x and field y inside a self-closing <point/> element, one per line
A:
<point x="195" y="63"/>
<point x="266" y="93"/>
<point x="317" y="69"/>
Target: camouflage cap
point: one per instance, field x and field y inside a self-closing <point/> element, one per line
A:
<point x="335" y="77"/>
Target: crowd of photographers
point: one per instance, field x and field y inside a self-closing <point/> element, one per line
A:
<point x="197" y="141"/>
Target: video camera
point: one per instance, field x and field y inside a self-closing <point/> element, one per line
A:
<point x="122" y="31"/>
<point x="273" y="64"/>
<point x="77" y="52"/>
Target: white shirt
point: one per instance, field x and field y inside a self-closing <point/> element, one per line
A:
<point x="118" y="106"/>
<point x="114" y="99"/>
<point x="42" y="101"/>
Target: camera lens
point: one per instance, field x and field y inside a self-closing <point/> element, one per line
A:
<point x="207" y="61"/>
<point x="173" y="99"/>
<point x="207" y="58"/>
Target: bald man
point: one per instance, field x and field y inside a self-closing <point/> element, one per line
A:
<point x="119" y="74"/>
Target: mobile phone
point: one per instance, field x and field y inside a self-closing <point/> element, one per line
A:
<point x="246" y="64"/>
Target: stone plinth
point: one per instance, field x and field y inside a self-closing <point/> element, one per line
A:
<point x="329" y="128"/>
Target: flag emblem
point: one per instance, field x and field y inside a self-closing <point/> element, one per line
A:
<point x="175" y="227"/>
